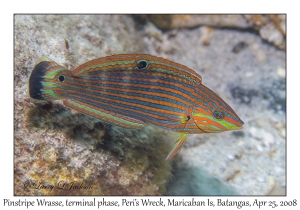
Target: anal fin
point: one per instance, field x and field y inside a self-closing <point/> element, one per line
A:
<point x="105" y="115"/>
<point x="177" y="146"/>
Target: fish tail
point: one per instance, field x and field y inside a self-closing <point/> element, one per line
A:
<point x="42" y="79"/>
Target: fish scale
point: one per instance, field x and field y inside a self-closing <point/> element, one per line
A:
<point x="131" y="90"/>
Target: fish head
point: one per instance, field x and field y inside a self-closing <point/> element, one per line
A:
<point x="213" y="114"/>
<point x="47" y="80"/>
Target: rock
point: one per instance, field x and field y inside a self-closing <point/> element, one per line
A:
<point x="167" y="22"/>
<point x="196" y="181"/>
<point x="271" y="185"/>
<point x="283" y="132"/>
<point x="206" y="34"/>
<point x="270" y="27"/>
<point x="249" y="74"/>
<point x="281" y="72"/>
<point x="260" y="55"/>
<point x="268" y="139"/>
<point x="57" y="146"/>
<point x="256" y="133"/>
<point x="272" y="35"/>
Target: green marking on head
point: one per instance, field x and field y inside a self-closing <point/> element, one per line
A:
<point x="50" y="84"/>
<point x="51" y="93"/>
<point x="210" y="122"/>
<point x="42" y="79"/>
<point x="53" y="73"/>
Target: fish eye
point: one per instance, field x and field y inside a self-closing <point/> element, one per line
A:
<point x="62" y="78"/>
<point x="218" y="115"/>
<point x="142" y="64"/>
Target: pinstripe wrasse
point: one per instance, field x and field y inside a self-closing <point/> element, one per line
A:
<point x="130" y="90"/>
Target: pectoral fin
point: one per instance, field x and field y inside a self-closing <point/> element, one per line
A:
<point x="176" y="147"/>
<point x="105" y="115"/>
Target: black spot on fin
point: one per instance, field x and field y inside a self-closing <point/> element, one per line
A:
<point x="36" y="78"/>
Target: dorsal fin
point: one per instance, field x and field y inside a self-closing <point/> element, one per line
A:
<point x="104" y="63"/>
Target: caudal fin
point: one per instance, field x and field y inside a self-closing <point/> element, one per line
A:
<point x="44" y="69"/>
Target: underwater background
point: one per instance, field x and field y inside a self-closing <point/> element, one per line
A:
<point x="240" y="57"/>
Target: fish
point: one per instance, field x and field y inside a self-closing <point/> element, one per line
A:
<point x="132" y="90"/>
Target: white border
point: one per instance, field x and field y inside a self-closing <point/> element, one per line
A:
<point x="153" y="6"/>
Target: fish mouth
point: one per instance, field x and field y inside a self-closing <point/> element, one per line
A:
<point x="236" y="128"/>
<point x="240" y="124"/>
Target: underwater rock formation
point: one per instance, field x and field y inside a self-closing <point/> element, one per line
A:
<point x="74" y="153"/>
<point x="271" y="27"/>
<point x="62" y="147"/>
